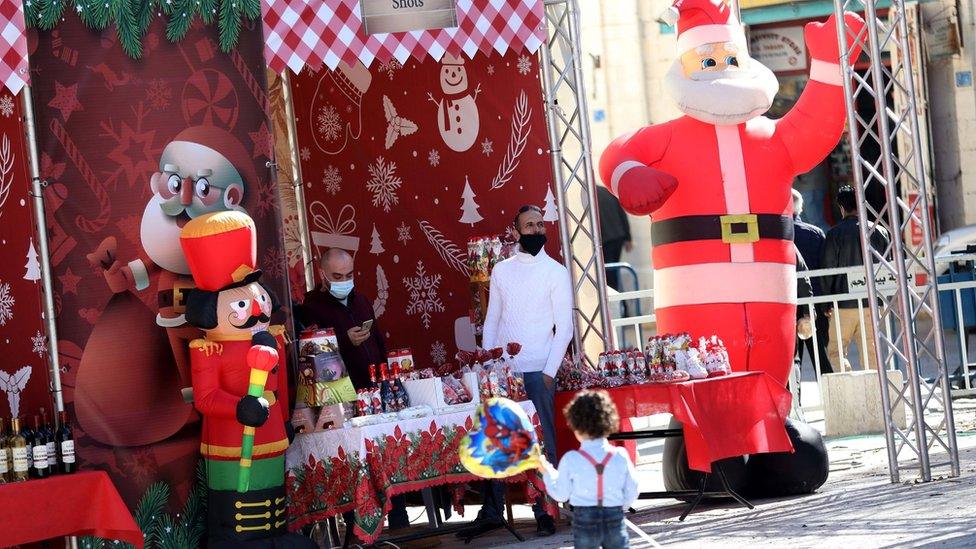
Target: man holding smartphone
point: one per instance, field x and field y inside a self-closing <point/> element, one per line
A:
<point x="335" y="304"/>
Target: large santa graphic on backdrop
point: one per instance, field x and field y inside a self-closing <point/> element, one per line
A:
<point x="718" y="180"/>
<point x="202" y="170"/>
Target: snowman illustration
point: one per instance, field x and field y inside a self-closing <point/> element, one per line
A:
<point x="457" y="112"/>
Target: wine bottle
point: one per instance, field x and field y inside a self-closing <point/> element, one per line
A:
<point x="28" y="433"/>
<point x="18" y="451"/>
<point x="39" y="467"/>
<point x="52" y="448"/>
<point x="398" y="383"/>
<point x="66" y="445"/>
<point x="386" y="391"/>
<point x="4" y="457"/>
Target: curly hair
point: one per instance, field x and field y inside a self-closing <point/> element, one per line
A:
<point x="592" y="413"/>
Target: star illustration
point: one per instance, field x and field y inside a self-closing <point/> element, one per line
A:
<point x="69" y="282"/>
<point x="263" y="142"/>
<point x="134" y="153"/>
<point x="66" y="100"/>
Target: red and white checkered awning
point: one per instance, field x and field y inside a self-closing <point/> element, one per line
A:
<point x="14" y="72"/>
<point x="312" y="32"/>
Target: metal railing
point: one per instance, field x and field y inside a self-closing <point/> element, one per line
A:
<point x="960" y="360"/>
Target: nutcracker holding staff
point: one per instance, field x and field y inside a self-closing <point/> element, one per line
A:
<point x="240" y="384"/>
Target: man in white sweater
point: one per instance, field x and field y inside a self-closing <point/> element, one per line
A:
<point x="530" y="302"/>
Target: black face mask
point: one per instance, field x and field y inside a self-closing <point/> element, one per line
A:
<point x="532" y="243"/>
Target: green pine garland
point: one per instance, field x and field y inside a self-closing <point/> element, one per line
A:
<point x="159" y="529"/>
<point x="133" y="17"/>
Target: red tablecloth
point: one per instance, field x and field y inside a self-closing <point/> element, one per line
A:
<point x="735" y="415"/>
<point x="83" y="504"/>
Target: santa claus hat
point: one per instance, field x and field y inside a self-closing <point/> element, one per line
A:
<point x="227" y="146"/>
<point x="703" y="22"/>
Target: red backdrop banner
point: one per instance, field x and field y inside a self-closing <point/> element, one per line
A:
<point x="23" y="371"/>
<point x="106" y="125"/>
<point x="402" y="164"/>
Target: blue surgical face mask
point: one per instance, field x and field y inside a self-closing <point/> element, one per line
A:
<point x="342" y="289"/>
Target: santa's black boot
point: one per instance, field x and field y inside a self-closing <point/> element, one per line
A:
<point x="785" y="474"/>
<point x="256" y="519"/>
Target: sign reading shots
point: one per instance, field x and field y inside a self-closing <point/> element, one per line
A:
<point x="780" y="49"/>
<point x="382" y="16"/>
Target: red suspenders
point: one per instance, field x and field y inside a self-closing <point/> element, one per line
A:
<point x="599" y="473"/>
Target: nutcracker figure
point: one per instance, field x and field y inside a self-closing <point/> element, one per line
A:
<point x="717" y="182"/>
<point x="240" y="384"/>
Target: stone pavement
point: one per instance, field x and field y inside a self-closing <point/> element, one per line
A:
<point x="858" y="507"/>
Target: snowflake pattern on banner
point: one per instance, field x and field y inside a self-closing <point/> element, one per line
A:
<point x="524" y="64"/>
<point x="330" y="125"/>
<point x="438" y="354"/>
<point x="391" y="67"/>
<point x="6" y="106"/>
<point x="274" y="261"/>
<point x="487" y="147"/>
<point x="305" y="154"/>
<point x="403" y="232"/>
<point x="159" y="94"/>
<point x="384" y="183"/>
<point x="332" y="180"/>
<point x="434" y="158"/>
<point x="39" y="343"/>
<point x="6" y="303"/>
<point x="424" y="300"/>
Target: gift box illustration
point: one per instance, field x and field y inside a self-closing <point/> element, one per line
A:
<point x="333" y="231"/>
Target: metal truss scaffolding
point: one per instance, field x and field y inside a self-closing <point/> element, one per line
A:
<point x="919" y="425"/>
<point x="569" y="137"/>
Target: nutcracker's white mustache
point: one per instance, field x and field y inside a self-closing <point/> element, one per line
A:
<point x="724" y="97"/>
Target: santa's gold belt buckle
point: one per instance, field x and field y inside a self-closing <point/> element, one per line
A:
<point x="739" y="229"/>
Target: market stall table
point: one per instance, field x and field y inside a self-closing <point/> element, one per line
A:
<point x="722" y="417"/>
<point x="360" y="468"/>
<point x="82" y="504"/>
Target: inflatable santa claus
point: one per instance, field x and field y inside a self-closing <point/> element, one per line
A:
<point x="718" y="181"/>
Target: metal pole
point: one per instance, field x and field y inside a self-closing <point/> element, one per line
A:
<point x="37" y="190"/>
<point x="573" y="170"/>
<point x="847" y="72"/>
<point x="296" y="172"/>
<point x="555" y="155"/>
<point x="929" y="255"/>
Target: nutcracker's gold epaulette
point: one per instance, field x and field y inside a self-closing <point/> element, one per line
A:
<point x="208" y="347"/>
<point x="279" y="330"/>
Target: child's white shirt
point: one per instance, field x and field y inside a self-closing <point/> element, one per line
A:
<point x="576" y="478"/>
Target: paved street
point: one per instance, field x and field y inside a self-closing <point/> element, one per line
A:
<point x="858" y="507"/>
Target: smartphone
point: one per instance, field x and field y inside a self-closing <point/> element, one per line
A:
<point x="367" y="326"/>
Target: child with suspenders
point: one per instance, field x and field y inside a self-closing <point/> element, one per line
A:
<point x="598" y="480"/>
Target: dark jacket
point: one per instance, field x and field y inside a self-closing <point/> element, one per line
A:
<point x="842" y="248"/>
<point x="614" y="224"/>
<point x="803" y="287"/>
<point x="809" y="241"/>
<point x="322" y="309"/>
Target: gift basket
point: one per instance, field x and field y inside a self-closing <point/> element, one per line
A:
<point x="323" y="379"/>
<point x="484" y="252"/>
<point x="497" y="375"/>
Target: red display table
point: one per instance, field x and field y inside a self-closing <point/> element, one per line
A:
<point x="83" y="504"/>
<point x="722" y="417"/>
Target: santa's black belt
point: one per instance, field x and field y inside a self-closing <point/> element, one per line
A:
<point x="731" y="229"/>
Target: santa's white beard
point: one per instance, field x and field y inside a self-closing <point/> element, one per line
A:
<point x="160" y="237"/>
<point x="727" y="98"/>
